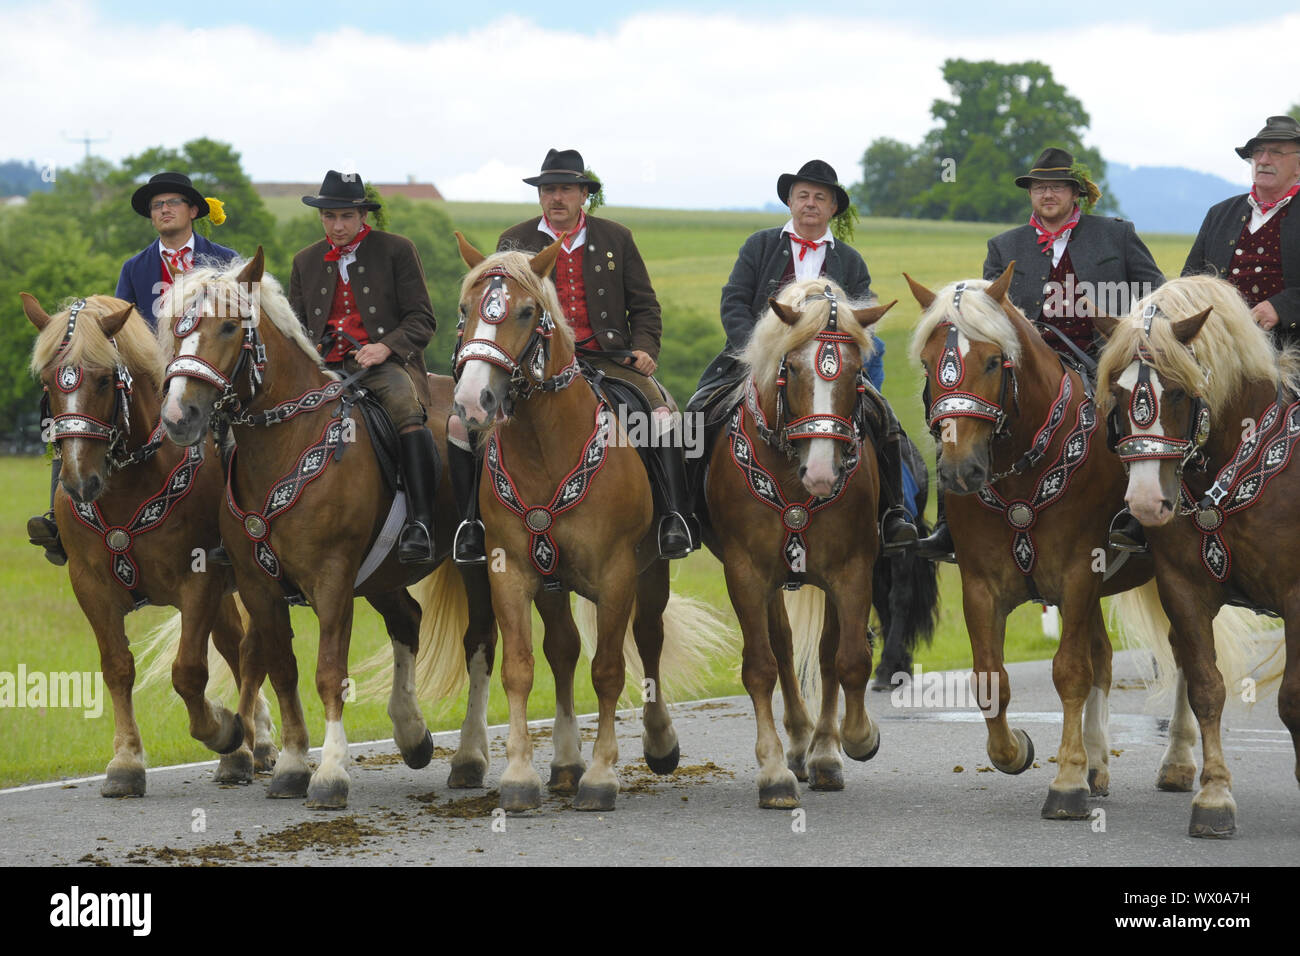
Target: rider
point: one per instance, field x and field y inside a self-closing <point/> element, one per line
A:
<point x="360" y="293"/>
<point x="171" y="204"/>
<point x="805" y="248"/>
<point x="607" y="298"/>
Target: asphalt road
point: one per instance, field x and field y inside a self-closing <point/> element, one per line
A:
<point x="910" y="805"/>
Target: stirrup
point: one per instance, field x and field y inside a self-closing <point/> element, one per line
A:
<point x="1121" y="537"/>
<point x="468" y="546"/>
<point x="673" y="526"/>
<point x="411" y="550"/>
<point x="904" y="531"/>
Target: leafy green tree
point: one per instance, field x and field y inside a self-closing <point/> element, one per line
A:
<point x="893" y="174"/>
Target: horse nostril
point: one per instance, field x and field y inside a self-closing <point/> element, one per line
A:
<point x="487" y="400"/>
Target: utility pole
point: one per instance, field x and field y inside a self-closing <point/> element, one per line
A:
<point x="86" y="139"/>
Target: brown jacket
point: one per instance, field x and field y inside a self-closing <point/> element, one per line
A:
<point x="388" y="285"/>
<point x="621" y="303"/>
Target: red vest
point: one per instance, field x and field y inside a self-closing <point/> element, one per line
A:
<point x="572" y="291"/>
<point x="1066" y="297"/>
<point x="344" y="318"/>
<point x="1256" y="268"/>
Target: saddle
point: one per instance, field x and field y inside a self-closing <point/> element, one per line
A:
<point x="614" y="393"/>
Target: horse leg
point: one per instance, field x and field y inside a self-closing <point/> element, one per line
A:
<point x="254" y="711"/>
<point x="1067" y="795"/>
<point x="1011" y="752"/>
<point x="798" y="724"/>
<point x="825" y="768"/>
<point x="561" y="644"/>
<point x="658" y="739"/>
<point x="859" y="735"/>
<point x="272" y="635"/>
<point x="469" y="763"/>
<point x="329" y="786"/>
<point x="1178" y="766"/>
<point x="1288" y="695"/>
<point x="1096" y="712"/>
<point x="125" y="773"/>
<point x="401" y="614"/>
<point x="521" y="786"/>
<point x="599" y="785"/>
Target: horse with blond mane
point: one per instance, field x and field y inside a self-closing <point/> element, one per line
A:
<point x="1183" y="372"/>
<point x="130" y="508"/>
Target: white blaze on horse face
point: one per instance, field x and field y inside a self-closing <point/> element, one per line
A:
<point x="172" y="412"/>
<point x="474" y="379"/>
<point x="1144" y="496"/>
<point x="819" y="475"/>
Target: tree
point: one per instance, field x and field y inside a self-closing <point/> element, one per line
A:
<point x="893" y="173"/>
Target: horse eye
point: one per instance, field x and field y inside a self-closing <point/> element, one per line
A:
<point x="105" y="381"/>
<point x="228" y="327"/>
<point x="993" y="363"/>
<point x="526" y="313"/>
<point x="464" y="310"/>
<point x="1175" y="395"/>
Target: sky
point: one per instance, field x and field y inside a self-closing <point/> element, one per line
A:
<point x="698" y="105"/>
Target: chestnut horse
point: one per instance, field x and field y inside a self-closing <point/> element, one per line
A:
<point x="130" y="509"/>
<point x="305" y="503"/>
<point x="1185" y="370"/>
<point x="566" y="508"/>
<point x="792" y="496"/>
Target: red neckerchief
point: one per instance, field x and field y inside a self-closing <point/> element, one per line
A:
<point x="1266" y="206"/>
<point x="572" y="233"/>
<point x="806" y="245"/>
<point x="1045" y="238"/>
<point x="337" y="251"/>
<point x="182" y="260"/>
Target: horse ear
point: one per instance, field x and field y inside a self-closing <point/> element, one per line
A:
<point x="1187" y="329"/>
<point x="998" y="290"/>
<point x="252" y="272"/>
<point x="869" y="317"/>
<point x="544" y="261"/>
<point x="34" y="311"/>
<point x="113" y="322"/>
<point x="468" y="254"/>
<point x="923" y="295"/>
<point x="1104" y="324"/>
<point x="783" y="312"/>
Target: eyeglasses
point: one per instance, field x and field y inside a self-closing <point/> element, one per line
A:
<point x="1259" y="152"/>
<point x="173" y="202"/>
<point x="1039" y="188"/>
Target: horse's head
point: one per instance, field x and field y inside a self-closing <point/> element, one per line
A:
<point x="808" y="356"/>
<point x="88" y="382"/>
<point x="969" y="347"/>
<point x="511" y="336"/>
<point x="214" y="316"/>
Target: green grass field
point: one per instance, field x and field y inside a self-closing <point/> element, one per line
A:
<point x="689" y="255"/>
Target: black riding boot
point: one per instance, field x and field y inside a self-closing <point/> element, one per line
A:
<point x="420" y="468"/>
<point x="1126" y="533"/>
<point x="468" y="546"/>
<point x="937" y="546"/>
<point x="41" y="529"/>
<point x="897" y="533"/>
<point x="674" y="532"/>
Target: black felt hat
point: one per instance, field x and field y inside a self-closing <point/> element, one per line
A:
<point x="564" y="166"/>
<point x="167" y="183"/>
<point x="814" y="171"/>
<point x="1276" y="129"/>
<point x="341" y="191"/>
<point x="1052" y="163"/>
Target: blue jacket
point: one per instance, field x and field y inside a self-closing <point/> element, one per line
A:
<point x="141" y="280"/>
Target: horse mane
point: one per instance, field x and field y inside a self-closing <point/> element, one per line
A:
<point x="980" y="318"/>
<point x="516" y="266"/>
<point x="1230" y="345"/>
<point x="275" y="306"/>
<point x="772" y="338"/>
<point x="136" y="346"/>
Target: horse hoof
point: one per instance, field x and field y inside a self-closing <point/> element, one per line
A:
<point x="419" y="758"/>
<point x="798" y="766"/>
<point x="1066" y="805"/>
<point x="235" y="740"/>
<point x="595" y="796"/>
<point x="466" y="776"/>
<point x="564" y="780"/>
<point x="1213" y="823"/>
<point x="236" y="768"/>
<point x="518" y="797"/>
<point x="1094" y="789"/>
<point x="782" y="795"/>
<point x="1175" y="778"/>
<point x="875" y="749"/>
<point x="289" y="785"/>
<point x="825" y="778"/>
<point x="264" y="758"/>
<point x="1029" y="756"/>
<point x="123" y="783"/>
<point x="665" y="764"/>
<point x="331" y="795"/>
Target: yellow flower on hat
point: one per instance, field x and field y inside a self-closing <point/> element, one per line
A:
<point x="216" y="210"/>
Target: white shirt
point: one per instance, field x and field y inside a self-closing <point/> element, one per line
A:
<point x="1258" y="218"/>
<point x="570" y="243"/>
<point x="168" y="253"/>
<point x="811" y="265"/>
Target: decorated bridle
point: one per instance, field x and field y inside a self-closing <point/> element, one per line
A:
<point x="252" y="359"/>
<point x="528" y="370"/>
<point x="955" y="403"/>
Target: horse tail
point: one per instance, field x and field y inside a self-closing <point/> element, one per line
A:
<point x="916" y="583"/>
<point x="806" y="611"/>
<point x="1246" y="645"/>
<point x="695" y="638"/>
<point x="157" y="651"/>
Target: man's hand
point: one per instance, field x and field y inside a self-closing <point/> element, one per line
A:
<point x="376" y="354"/>
<point x="642" y="362"/>
<point x="1265" y="315"/>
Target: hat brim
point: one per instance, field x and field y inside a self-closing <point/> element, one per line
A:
<point x="141" y="198"/>
<point x="785" y="182"/>
<point x="1245" y="151"/>
<point x="330" y="202"/>
<point x="562" y="177"/>
<point x="1025" y="181"/>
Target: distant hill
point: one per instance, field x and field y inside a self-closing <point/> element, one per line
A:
<point x="1167" y="198"/>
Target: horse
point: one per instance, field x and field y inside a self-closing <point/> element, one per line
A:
<point x="1183" y="372"/>
<point x="567" y="506"/>
<point x="791" y="496"/>
<point x="130" y="508"/>
<point x="306" y="503"/>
